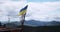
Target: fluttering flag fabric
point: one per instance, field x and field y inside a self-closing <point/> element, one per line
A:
<point x="23" y="11"/>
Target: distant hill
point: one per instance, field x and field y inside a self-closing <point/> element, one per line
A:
<point x="41" y="23"/>
<point x="32" y="23"/>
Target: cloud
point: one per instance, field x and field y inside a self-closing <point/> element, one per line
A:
<point x="44" y="11"/>
<point x="43" y="0"/>
<point x="12" y="0"/>
<point x="10" y="8"/>
<point x="4" y="18"/>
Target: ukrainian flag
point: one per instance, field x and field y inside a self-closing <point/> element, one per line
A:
<point x="23" y="11"/>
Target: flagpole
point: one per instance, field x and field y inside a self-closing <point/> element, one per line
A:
<point x="8" y="19"/>
<point x="22" y="19"/>
<point x="22" y="22"/>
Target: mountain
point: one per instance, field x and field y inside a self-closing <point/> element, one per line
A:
<point x="32" y="23"/>
<point x="41" y="23"/>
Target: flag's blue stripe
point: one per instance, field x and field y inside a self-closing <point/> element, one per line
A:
<point x="24" y="8"/>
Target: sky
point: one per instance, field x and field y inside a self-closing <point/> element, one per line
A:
<point x="11" y="8"/>
<point x="41" y="10"/>
<point x="42" y="0"/>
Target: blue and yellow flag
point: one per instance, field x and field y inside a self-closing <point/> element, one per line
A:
<point x="23" y="11"/>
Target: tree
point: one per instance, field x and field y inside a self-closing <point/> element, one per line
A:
<point x="0" y="24"/>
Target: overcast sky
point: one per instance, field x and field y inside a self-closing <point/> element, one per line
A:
<point x="44" y="10"/>
<point x="11" y="8"/>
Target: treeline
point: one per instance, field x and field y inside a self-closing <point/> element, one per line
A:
<point x="10" y="25"/>
<point x="2" y="25"/>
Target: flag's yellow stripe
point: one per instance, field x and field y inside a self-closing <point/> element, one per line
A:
<point x="22" y="12"/>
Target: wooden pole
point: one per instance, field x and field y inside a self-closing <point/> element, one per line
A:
<point x="8" y="19"/>
<point x="23" y="18"/>
<point x="22" y="22"/>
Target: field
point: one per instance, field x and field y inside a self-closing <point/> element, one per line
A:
<point x="34" y="26"/>
<point x="42" y="29"/>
